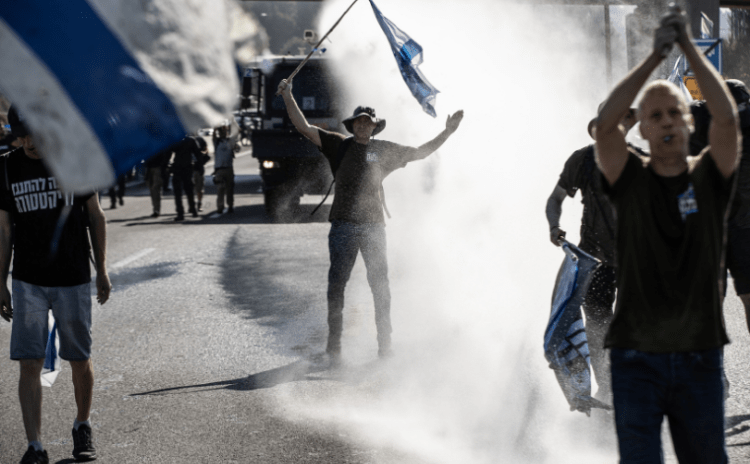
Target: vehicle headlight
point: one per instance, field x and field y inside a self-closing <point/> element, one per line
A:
<point x="269" y="164"/>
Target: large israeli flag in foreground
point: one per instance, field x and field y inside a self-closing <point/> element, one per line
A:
<point x="408" y="55"/>
<point x="103" y="84"/>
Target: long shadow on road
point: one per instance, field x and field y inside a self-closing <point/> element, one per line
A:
<point x="296" y="371"/>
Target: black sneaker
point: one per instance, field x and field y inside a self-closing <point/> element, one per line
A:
<point x="179" y="218"/>
<point x="33" y="456"/>
<point x="154" y="214"/>
<point x="83" y="444"/>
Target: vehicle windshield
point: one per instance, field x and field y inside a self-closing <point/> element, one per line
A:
<point x="312" y="89"/>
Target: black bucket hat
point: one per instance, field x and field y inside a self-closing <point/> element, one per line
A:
<point x="17" y="127"/>
<point x="364" y="111"/>
<point x="742" y="98"/>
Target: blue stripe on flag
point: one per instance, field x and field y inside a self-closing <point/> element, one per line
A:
<point x="408" y="55"/>
<point x="131" y="116"/>
<point x="50" y="355"/>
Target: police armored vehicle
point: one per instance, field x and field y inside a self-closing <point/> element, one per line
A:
<point x="290" y="165"/>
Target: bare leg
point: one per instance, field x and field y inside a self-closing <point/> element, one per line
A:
<point x="746" y="302"/>
<point x="30" y="396"/>
<point x="83" y="385"/>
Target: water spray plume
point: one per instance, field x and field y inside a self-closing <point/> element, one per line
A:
<point x="470" y="262"/>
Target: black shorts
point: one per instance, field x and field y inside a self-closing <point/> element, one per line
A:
<point x="738" y="259"/>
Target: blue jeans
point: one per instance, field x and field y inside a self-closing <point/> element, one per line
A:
<point x="685" y="387"/>
<point x="344" y="242"/>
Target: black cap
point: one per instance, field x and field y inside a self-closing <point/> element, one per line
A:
<point x="17" y="126"/>
<point x="739" y="90"/>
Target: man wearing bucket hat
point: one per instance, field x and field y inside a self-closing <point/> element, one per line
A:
<point x="597" y="239"/>
<point x="51" y="271"/>
<point x="359" y="164"/>
<point x="738" y="225"/>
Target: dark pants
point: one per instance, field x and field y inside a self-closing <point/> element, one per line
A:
<point x="117" y="190"/>
<point x="597" y="306"/>
<point x="344" y="242"/>
<point x="686" y="388"/>
<point x="182" y="179"/>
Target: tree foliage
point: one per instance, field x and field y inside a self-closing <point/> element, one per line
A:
<point x="737" y="46"/>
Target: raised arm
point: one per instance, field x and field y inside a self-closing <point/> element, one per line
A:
<point x="723" y="134"/>
<point x="98" y="232"/>
<point x="554" y="212"/>
<point x="451" y="125"/>
<point x="295" y="114"/>
<point x="611" y="148"/>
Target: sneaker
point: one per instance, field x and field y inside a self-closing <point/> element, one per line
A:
<point x="83" y="444"/>
<point x="154" y="214"/>
<point x="194" y="213"/>
<point x="179" y="217"/>
<point x="33" y="456"/>
<point x="200" y="207"/>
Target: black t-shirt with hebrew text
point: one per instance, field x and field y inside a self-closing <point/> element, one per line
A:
<point x="50" y="241"/>
<point x="357" y="198"/>
<point x="670" y="257"/>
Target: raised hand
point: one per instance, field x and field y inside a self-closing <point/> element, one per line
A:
<point x="453" y="121"/>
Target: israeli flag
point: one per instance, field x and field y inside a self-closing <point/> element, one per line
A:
<point x="408" y="55"/>
<point x="103" y="84"/>
<point x="51" y="356"/>
<point x="675" y="77"/>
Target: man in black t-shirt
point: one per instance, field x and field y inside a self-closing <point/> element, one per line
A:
<point x="45" y="230"/>
<point x="199" y="171"/>
<point x="360" y="163"/>
<point x="667" y="335"/>
<point x="597" y="239"/>
<point x="182" y="175"/>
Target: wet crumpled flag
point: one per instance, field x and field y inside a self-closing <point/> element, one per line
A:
<point x="565" y="343"/>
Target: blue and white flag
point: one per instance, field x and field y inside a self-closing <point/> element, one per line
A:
<point x="51" y="356"/>
<point x="707" y="26"/>
<point x="103" y="84"/>
<point x="408" y="55"/>
<point x="565" y="343"/>
<point x="675" y="77"/>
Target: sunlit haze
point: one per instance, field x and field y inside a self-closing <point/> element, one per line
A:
<point x="471" y="265"/>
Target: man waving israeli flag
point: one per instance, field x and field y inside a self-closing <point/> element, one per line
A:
<point x="408" y="55"/>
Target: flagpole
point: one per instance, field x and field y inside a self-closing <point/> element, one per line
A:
<point x="294" y="73"/>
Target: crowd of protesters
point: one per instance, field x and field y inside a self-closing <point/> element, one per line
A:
<point x="657" y="221"/>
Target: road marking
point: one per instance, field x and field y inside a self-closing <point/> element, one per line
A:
<point x="132" y="258"/>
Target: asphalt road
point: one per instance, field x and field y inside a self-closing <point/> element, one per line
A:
<point x="208" y="352"/>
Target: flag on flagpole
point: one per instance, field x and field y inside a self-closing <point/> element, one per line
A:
<point x="103" y="84"/>
<point x="675" y="77"/>
<point x="408" y="55"/>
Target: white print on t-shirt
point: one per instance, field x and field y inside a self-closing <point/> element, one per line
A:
<point x="687" y="202"/>
<point x="36" y="194"/>
<point x="372" y="157"/>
